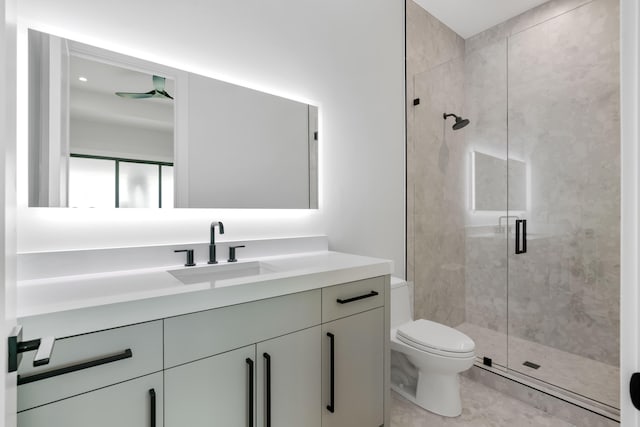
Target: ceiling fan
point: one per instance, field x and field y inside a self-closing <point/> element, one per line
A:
<point x="157" y="92"/>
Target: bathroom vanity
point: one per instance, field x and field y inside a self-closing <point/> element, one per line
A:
<point x="295" y="340"/>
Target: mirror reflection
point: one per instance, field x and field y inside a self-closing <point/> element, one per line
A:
<point x="489" y="189"/>
<point x="102" y="134"/>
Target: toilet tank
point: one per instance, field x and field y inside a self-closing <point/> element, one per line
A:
<point x="400" y="303"/>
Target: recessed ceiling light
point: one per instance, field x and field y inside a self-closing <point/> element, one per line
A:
<point x="82" y="79"/>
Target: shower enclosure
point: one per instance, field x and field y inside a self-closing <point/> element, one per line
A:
<point x="514" y="220"/>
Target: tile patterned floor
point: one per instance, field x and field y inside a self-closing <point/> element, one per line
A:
<point x="586" y="377"/>
<point x="482" y="407"/>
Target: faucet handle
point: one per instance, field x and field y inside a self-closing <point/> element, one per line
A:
<point x="232" y="253"/>
<point x="189" y="252"/>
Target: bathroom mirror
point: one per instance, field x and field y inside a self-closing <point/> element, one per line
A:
<point x="108" y="130"/>
<point x="491" y="176"/>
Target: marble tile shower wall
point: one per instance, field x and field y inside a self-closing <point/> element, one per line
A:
<point x="435" y="157"/>
<point x="569" y="299"/>
<point x="485" y="250"/>
<point x="564" y="120"/>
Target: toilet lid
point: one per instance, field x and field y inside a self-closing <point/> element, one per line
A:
<point x="436" y="336"/>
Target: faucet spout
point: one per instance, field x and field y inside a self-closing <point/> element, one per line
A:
<point x="213" y="230"/>
<point x="212" y="242"/>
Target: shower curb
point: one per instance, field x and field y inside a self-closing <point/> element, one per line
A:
<point x="571" y="410"/>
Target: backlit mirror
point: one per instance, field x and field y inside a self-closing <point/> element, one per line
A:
<point x="107" y="130"/>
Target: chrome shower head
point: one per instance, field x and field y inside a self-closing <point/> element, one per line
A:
<point x="460" y="122"/>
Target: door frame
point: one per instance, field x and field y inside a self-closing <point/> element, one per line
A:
<point x="8" y="245"/>
<point x="630" y="197"/>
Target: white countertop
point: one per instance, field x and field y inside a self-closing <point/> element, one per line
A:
<point x="70" y="305"/>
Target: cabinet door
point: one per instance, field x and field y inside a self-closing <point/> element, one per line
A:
<point x="134" y="403"/>
<point x="289" y="376"/>
<point x="215" y="391"/>
<point x="358" y="370"/>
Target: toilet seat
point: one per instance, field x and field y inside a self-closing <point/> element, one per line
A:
<point x="436" y="338"/>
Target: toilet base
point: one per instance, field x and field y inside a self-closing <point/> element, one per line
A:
<point x="436" y="393"/>
<point x="439" y="393"/>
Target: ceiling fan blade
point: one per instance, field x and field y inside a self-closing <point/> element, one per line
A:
<point x="163" y="94"/>
<point x="158" y="83"/>
<point x="136" y="95"/>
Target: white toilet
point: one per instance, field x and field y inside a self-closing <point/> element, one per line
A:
<point x="437" y="351"/>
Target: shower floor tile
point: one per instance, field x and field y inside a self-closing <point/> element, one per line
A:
<point x="583" y="376"/>
<point x="481" y="406"/>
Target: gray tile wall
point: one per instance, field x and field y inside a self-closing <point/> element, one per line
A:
<point x="564" y="121"/>
<point x="435" y="187"/>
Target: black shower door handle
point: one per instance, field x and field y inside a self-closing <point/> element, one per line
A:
<point x="521" y="236"/>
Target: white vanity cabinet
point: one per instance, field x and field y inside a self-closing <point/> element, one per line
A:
<point x="314" y="358"/>
<point x="243" y="387"/>
<point x="353" y="349"/>
<point x="289" y="380"/>
<point x="255" y="364"/>
<point x="133" y="403"/>
<point x="217" y="390"/>
<point x="105" y="378"/>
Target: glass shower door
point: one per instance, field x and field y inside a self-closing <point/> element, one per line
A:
<point x="563" y="298"/>
<point x="487" y="221"/>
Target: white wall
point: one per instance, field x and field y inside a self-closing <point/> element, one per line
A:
<point x="99" y="138"/>
<point x="246" y="148"/>
<point x="345" y="56"/>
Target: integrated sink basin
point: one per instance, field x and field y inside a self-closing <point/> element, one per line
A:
<point x="216" y="272"/>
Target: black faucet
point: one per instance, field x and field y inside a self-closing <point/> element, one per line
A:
<point x="212" y="243"/>
<point x="190" y="262"/>
<point x="232" y="253"/>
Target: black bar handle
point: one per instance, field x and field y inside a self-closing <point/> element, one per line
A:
<point x="152" y="395"/>
<point x="521" y="227"/>
<point x="267" y="361"/>
<point x="332" y="372"/>
<point x="73" y="368"/>
<point x="250" y="365"/>
<point x="518" y="251"/>
<point x="346" y="301"/>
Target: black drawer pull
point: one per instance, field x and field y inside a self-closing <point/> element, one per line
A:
<point x="346" y="301"/>
<point x="267" y="361"/>
<point x="73" y="368"/>
<point x="331" y="407"/>
<point x="250" y="399"/>
<point x="152" y="394"/>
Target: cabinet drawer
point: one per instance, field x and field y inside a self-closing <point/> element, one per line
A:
<point x="198" y="335"/>
<point x="134" y="403"/>
<point x="104" y="358"/>
<point x="351" y="298"/>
